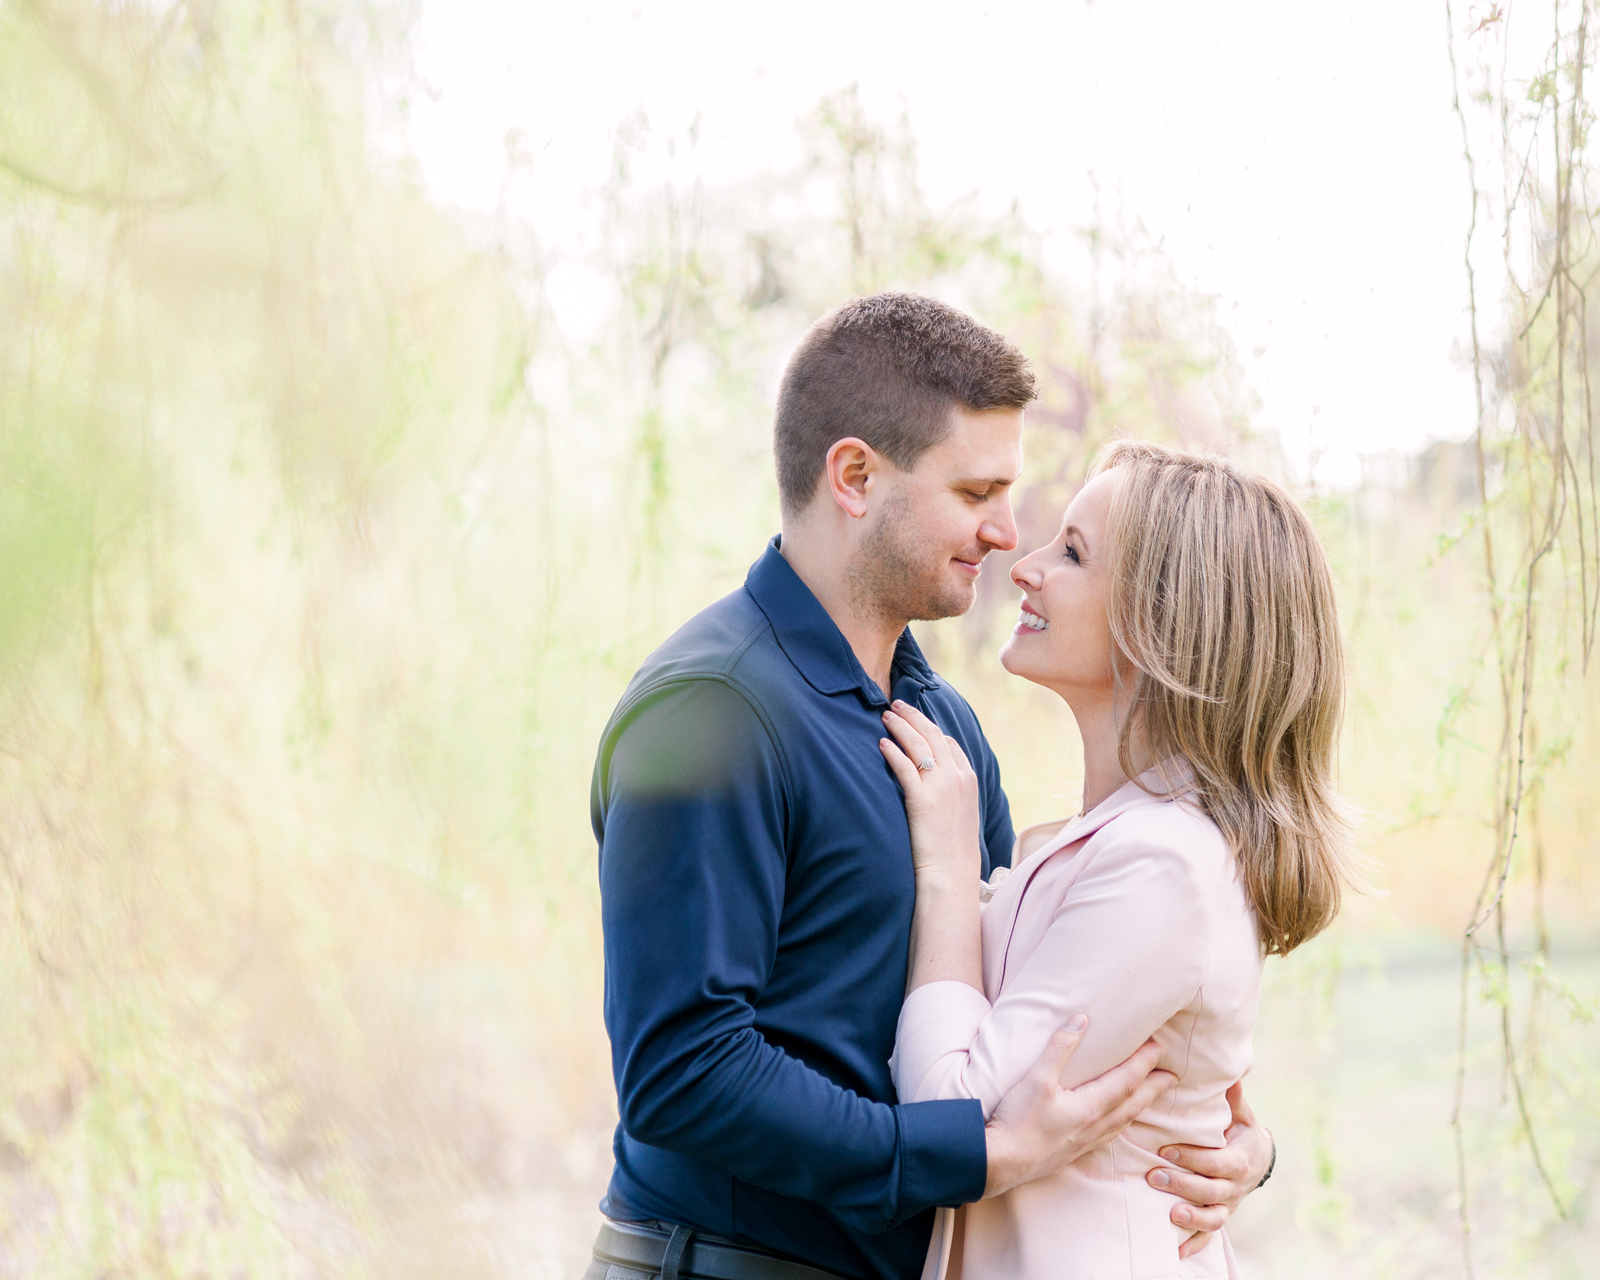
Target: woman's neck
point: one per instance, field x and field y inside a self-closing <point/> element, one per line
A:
<point x="1101" y="730"/>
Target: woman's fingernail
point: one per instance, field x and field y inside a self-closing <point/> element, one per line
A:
<point x="1159" y="1178"/>
<point x="1078" y="1023"/>
<point x="1182" y="1217"/>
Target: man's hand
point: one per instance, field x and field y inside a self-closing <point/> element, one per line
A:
<point x="1040" y="1127"/>
<point x="1214" y="1180"/>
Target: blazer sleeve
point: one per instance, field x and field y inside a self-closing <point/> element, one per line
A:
<point x="691" y="809"/>
<point x="1127" y="946"/>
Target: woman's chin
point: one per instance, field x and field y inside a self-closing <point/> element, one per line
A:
<point x="1021" y="658"/>
<point x="1012" y="658"/>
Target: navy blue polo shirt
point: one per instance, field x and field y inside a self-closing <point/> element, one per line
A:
<point x="756" y="893"/>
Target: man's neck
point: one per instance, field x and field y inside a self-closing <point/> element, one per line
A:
<point x="871" y="637"/>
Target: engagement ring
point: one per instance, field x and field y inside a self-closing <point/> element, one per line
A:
<point x="926" y="764"/>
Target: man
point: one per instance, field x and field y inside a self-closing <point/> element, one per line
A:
<point x="755" y="870"/>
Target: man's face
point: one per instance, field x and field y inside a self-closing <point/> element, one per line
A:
<point x="934" y="524"/>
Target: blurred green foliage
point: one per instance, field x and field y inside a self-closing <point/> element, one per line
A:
<point x="328" y="542"/>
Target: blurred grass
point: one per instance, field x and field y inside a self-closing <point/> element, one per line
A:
<point x="327" y="551"/>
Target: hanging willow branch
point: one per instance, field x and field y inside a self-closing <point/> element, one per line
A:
<point x="1536" y="482"/>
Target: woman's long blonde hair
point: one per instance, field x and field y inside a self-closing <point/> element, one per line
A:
<point x="1220" y="594"/>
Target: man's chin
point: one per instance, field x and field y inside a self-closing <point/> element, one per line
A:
<point x="951" y="602"/>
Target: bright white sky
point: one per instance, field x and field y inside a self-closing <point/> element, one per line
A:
<point x="1300" y="162"/>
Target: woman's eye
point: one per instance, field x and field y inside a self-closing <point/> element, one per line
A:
<point x="1071" y="552"/>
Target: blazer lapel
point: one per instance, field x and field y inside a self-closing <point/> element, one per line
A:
<point x="1148" y="789"/>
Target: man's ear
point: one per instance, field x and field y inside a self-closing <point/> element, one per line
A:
<point x="853" y="469"/>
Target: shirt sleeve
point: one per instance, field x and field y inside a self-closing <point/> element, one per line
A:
<point x="691" y="807"/>
<point x="1127" y="946"/>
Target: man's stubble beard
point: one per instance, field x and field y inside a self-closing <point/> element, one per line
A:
<point x="892" y="578"/>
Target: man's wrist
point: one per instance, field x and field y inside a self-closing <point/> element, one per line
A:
<point x="1003" y="1173"/>
<point x="943" y="1153"/>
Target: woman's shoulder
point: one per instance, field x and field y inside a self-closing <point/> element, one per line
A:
<point x="1172" y="857"/>
<point x="1176" y="829"/>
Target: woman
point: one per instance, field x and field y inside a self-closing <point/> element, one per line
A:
<point x="1186" y="615"/>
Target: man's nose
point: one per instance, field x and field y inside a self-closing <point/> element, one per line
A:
<point x="1000" y="530"/>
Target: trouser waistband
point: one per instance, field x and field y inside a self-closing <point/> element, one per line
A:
<point x="657" y="1249"/>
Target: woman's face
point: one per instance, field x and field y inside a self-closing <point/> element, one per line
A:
<point x="1063" y="638"/>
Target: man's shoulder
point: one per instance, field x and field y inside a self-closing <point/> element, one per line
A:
<point x="716" y="644"/>
<point x="697" y="702"/>
<point x="728" y="643"/>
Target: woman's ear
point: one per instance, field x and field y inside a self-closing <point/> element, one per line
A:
<point x="853" y="467"/>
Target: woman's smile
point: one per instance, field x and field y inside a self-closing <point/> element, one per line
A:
<point x="1031" y="620"/>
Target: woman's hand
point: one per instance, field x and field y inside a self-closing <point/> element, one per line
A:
<point x="946" y="848"/>
<point x="941" y="793"/>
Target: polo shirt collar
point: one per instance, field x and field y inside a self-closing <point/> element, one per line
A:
<point x="812" y="640"/>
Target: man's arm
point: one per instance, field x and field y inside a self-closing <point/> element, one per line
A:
<point x="692" y="810"/>
<point x="1215" y="1180"/>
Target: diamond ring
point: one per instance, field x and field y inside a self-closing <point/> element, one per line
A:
<point x="927" y="764"/>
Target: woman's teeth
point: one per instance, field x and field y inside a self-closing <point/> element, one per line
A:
<point x="1034" y="622"/>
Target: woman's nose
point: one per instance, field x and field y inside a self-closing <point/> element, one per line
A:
<point x="1025" y="573"/>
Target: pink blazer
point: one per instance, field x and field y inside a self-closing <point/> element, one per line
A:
<point x="1132" y="913"/>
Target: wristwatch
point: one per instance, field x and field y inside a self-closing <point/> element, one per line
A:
<point x="1271" y="1164"/>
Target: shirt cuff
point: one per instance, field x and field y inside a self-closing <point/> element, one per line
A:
<point x="937" y="1018"/>
<point x="944" y="1158"/>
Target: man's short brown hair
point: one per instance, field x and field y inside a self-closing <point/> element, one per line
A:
<point x="891" y="370"/>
